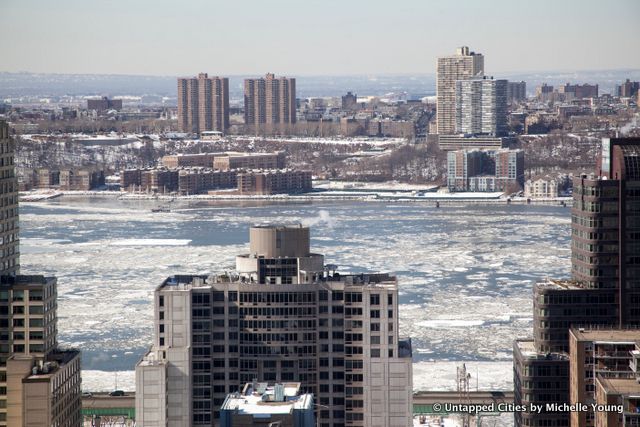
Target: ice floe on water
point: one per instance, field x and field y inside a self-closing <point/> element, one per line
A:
<point x="465" y="273"/>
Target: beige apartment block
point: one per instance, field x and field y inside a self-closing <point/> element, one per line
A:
<point x="461" y="66"/>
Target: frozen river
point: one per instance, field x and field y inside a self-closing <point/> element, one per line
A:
<point x="465" y="272"/>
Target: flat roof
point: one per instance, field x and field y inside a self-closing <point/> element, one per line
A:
<point x="614" y="336"/>
<point x="260" y="402"/>
<point x="626" y="386"/>
<point x="528" y="350"/>
<point x="560" y="284"/>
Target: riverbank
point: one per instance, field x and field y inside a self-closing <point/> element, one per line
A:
<point x="327" y="195"/>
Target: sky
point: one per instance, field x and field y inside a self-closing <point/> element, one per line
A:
<point x="311" y="37"/>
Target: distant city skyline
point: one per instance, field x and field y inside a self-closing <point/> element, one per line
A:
<point x="165" y="38"/>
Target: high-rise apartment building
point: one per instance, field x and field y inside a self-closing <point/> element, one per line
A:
<point x="39" y="383"/>
<point x="481" y="106"/>
<point x="10" y="256"/>
<point x="269" y="103"/>
<point x="605" y="285"/>
<point x="203" y="104"/>
<point x="485" y="170"/>
<point x="516" y="91"/>
<point x="461" y="66"/>
<point x="282" y="316"/>
<point x="628" y="89"/>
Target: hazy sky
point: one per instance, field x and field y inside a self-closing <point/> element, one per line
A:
<point x="310" y="37"/>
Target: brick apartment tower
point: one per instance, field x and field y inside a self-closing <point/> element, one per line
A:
<point x="461" y="66"/>
<point x="270" y="103"/>
<point x="39" y="383"/>
<point x="203" y="104"/>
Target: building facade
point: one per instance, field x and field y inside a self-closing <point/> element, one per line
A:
<point x="274" y="181"/>
<point x="282" y="316"/>
<point x="461" y="66"/>
<point x="481" y="106"/>
<point x="269" y="103"/>
<point x="516" y="92"/>
<point x="598" y="352"/>
<point x="104" y="104"/>
<point x="605" y="285"/>
<point x="10" y="259"/>
<point x="485" y="170"/>
<point x="203" y="104"/>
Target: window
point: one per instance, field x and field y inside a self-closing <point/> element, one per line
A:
<point x="375" y="352"/>
<point x="374" y="299"/>
<point x="161" y="301"/>
<point x="375" y="314"/>
<point x="375" y="339"/>
<point x="375" y="327"/>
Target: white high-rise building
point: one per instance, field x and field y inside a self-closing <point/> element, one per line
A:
<point x="481" y="107"/>
<point x="282" y="316"/>
<point x="461" y="66"/>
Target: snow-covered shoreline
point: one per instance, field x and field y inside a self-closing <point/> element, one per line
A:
<point x="380" y="195"/>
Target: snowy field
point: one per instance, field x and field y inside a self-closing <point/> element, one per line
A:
<point x="465" y="272"/>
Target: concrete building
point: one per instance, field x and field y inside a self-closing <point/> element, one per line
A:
<point x="605" y="284"/>
<point x="9" y="260"/>
<point x="539" y="378"/>
<point x="461" y="66"/>
<point x="618" y="392"/>
<point x="545" y="92"/>
<point x="41" y="383"/>
<point x="516" y="92"/>
<point x="202" y="180"/>
<point x="270" y="103"/>
<point x="627" y="89"/>
<point x="571" y="92"/>
<point x="226" y="161"/>
<point x="261" y="404"/>
<point x="462" y="142"/>
<point x="481" y="106"/>
<point x="485" y="170"/>
<point x="104" y="104"/>
<point x="541" y="188"/>
<point x="80" y="179"/>
<point x="274" y="181"/>
<point x="203" y="104"/>
<point x="204" y="160"/>
<point x="231" y="160"/>
<point x="44" y="392"/>
<point x="282" y="316"/>
<point x="605" y="353"/>
<point x="350" y="101"/>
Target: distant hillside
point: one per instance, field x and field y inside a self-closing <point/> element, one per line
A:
<point x="416" y="86"/>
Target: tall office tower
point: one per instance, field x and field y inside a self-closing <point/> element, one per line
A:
<point x="461" y="66"/>
<point x="481" y="106"/>
<point x="203" y="103"/>
<point x="605" y="285"/>
<point x="516" y="91"/>
<point x="10" y="256"/>
<point x="282" y="316"/>
<point x="269" y="103"/>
